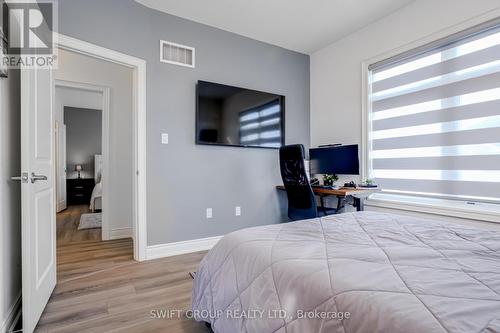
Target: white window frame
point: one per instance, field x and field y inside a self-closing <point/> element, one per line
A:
<point x="462" y="209"/>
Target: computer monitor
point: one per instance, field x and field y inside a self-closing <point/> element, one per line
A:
<point x="340" y="160"/>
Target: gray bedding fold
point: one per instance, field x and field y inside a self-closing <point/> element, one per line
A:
<point x="379" y="272"/>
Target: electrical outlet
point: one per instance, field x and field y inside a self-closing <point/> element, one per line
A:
<point x="209" y="213"/>
<point x="237" y="211"/>
<point x="164" y="138"/>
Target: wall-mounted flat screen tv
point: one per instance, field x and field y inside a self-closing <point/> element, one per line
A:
<point x="233" y="116"/>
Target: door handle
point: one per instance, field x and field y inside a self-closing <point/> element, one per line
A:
<point x="35" y="178"/>
<point x="23" y="178"/>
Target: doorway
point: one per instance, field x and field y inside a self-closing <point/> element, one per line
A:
<point x="114" y="186"/>
<point x="82" y="129"/>
<point x="38" y="173"/>
<point x="95" y="171"/>
<point x="137" y="133"/>
<point x="81" y="114"/>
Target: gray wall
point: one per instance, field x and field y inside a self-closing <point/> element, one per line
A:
<point x="83" y="139"/>
<point x="10" y="193"/>
<point x="183" y="179"/>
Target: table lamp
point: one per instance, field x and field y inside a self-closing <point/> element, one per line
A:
<point x="78" y="168"/>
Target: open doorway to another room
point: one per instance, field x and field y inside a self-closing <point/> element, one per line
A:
<point x="93" y="111"/>
<point x="79" y="157"/>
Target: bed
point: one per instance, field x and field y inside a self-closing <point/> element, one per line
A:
<point x="96" y="198"/>
<point x="377" y="272"/>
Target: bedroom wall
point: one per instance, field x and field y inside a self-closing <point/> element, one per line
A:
<point x="183" y="179"/>
<point x="83" y="139"/>
<point x="83" y="69"/>
<point x="336" y="94"/>
<point x="10" y="198"/>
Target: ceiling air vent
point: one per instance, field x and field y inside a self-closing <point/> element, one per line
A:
<point x="176" y="54"/>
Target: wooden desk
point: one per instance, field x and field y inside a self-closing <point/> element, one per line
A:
<point x="358" y="194"/>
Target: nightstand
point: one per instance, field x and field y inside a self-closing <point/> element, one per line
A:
<point x="79" y="190"/>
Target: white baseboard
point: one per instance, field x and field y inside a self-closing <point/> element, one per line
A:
<point x="121" y="233"/>
<point x="12" y="315"/>
<point x="177" y="248"/>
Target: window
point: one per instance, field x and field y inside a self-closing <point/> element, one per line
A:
<point x="434" y="120"/>
<point x="261" y="126"/>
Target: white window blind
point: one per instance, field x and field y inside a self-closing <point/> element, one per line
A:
<point x="261" y="126"/>
<point x="434" y="120"/>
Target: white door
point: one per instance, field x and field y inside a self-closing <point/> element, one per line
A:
<point x="61" y="167"/>
<point x="37" y="194"/>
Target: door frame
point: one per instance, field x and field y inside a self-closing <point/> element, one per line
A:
<point x="57" y="131"/>
<point x="105" y="101"/>
<point x="138" y="67"/>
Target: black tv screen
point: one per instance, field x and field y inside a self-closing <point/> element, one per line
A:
<point x="234" y="116"/>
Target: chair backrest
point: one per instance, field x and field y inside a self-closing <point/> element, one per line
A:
<point x="301" y="199"/>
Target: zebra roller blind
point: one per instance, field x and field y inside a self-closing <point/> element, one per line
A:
<point x="434" y="121"/>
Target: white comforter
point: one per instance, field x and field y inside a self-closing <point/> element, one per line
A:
<point x="389" y="273"/>
<point x="96" y="193"/>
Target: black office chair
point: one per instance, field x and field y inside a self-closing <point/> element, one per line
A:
<point x="301" y="199"/>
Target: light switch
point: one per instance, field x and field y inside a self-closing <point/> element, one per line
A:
<point x="237" y="211"/>
<point x="164" y="138"/>
<point x="209" y="213"/>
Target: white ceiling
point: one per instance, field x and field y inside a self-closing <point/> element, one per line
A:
<point x="300" y="25"/>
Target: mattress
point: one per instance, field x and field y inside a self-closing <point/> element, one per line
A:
<point x="354" y="272"/>
<point x="96" y="198"/>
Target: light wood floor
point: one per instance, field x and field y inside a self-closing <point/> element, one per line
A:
<point x="102" y="289"/>
<point x="67" y="226"/>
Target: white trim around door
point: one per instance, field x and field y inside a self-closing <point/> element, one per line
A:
<point x="139" y="86"/>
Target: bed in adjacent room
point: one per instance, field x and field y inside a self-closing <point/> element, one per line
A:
<point x="96" y="198"/>
<point x="379" y="272"/>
